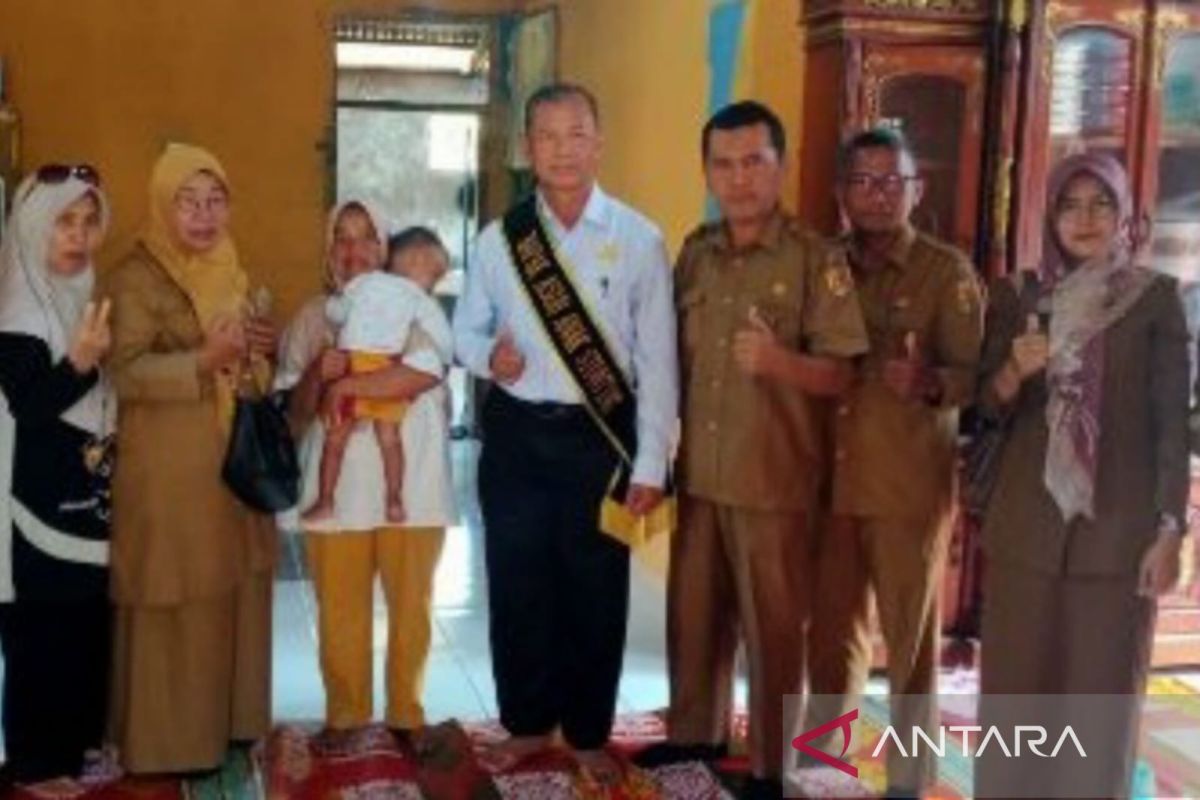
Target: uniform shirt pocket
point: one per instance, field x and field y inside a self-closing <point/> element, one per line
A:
<point x="781" y="315"/>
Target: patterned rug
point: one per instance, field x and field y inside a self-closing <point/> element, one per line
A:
<point x="452" y="761"/>
<point x="449" y="761"/>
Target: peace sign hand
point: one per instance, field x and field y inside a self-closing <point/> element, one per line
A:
<point x="93" y="338"/>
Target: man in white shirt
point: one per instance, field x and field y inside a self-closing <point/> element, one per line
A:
<point x="558" y="586"/>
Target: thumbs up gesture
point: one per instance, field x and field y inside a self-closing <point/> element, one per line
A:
<point x="908" y="375"/>
<point x="92" y="338"/>
<point x="507" y="363"/>
<point x="1030" y="350"/>
<point x="756" y="351"/>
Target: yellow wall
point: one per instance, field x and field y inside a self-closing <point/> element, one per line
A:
<point x="773" y="72"/>
<point x="647" y="62"/>
<point x="109" y="81"/>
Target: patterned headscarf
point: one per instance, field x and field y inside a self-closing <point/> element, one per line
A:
<point x="1085" y="300"/>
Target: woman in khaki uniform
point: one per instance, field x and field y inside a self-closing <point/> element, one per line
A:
<point x="1083" y="528"/>
<point x="191" y="565"/>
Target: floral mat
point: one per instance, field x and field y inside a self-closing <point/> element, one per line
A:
<point x="454" y="761"/>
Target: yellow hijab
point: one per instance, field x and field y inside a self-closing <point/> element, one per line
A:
<point x="213" y="280"/>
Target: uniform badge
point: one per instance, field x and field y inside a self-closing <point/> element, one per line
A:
<point x="608" y="254"/>
<point x="966" y="296"/>
<point x="838" y="280"/>
<point x="779" y="289"/>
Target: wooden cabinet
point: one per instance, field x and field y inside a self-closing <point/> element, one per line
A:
<point x="991" y="94"/>
<point x="922" y="72"/>
<point x="1173" y="134"/>
<point x="1123" y="77"/>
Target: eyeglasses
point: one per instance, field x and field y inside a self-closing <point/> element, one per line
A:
<point x="892" y="183"/>
<point x="1075" y="210"/>
<point x="60" y="173"/>
<point x="193" y="205"/>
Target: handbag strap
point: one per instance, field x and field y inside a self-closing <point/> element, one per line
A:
<point x="1029" y="292"/>
<point x="251" y="378"/>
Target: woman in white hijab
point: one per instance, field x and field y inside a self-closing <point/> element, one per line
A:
<point x="347" y="550"/>
<point x="55" y="469"/>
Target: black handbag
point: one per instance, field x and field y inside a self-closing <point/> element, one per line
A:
<point x="261" y="466"/>
<point x="981" y="464"/>
<point x="984" y="453"/>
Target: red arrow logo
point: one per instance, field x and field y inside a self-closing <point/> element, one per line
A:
<point x="801" y="742"/>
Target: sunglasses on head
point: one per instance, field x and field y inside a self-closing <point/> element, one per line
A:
<point x="59" y="173"/>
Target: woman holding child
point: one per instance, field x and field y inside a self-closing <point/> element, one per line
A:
<point x="358" y="521"/>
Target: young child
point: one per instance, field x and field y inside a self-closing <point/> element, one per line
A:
<point x="374" y="315"/>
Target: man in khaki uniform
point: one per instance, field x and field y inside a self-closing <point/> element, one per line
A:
<point x="895" y="432"/>
<point x="767" y="317"/>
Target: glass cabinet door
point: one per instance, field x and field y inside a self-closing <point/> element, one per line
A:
<point x="934" y="95"/>
<point x="1091" y="93"/>
<point x="930" y="110"/>
<point x="1176" y="231"/>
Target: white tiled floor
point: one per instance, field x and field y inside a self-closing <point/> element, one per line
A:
<point x="459" y="676"/>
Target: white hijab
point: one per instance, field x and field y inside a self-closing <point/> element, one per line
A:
<point x="36" y="302"/>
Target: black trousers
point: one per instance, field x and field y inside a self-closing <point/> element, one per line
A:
<point x="56" y="683"/>
<point x="558" y="588"/>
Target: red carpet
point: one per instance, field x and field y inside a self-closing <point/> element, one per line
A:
<point x="455" y="762"/>
<point x="444" y="762"/>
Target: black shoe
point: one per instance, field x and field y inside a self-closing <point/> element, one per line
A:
<point x="762" y="789"/>
<point x="7" y="781"/>
<point x="711" y="752"/>
<point x="663" y="753"/>
<point x="403" y="737"/>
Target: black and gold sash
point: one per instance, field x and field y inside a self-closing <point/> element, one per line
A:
<point x="583" y="351"/>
